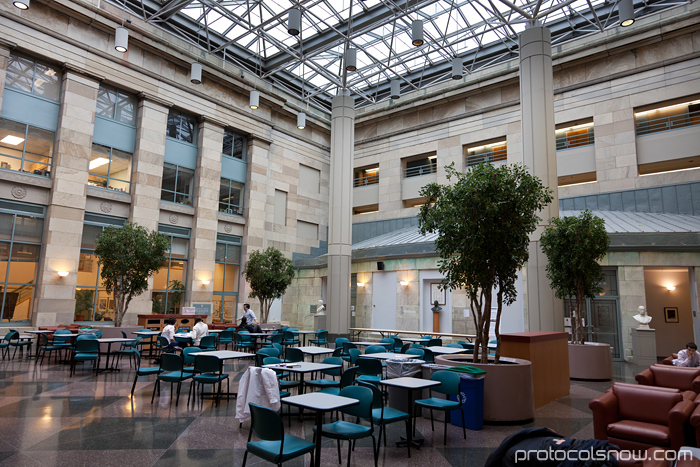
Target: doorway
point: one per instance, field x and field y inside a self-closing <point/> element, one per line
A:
<point x="384" y="300"/>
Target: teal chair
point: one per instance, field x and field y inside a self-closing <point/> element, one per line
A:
<point x="384" y="416"/>
<point x="455" y="346"/>
<point x="389" y="341"/>
<point x="346" y="350"/>
<point x="226" y="338"/>
<point x="43" y="346"/>
<point x="341" y="430"/>
<point x="141" y="371"/>
<point x="376" y="349"/>
<point x="85" y="350"/>
<point x="321" y="338"/>
<point x="274" y="446"/>
<point x="449" y="385"/>
<point x="340" y="341"/>
<point x="434" y="343"/>
<point x="398" y="343"/>
<point x="335" y="372"/>
<point x="15" y="342"/>
<point x="419" y="353"/>
<point x="269" y="352"/>
<point x="208" y="369"/>
<point x="5" y="344"/>
<point x="188" y="356"/>
<point x="130" y="352"/>
<point x="346" y="379"/>
<point x="183" y="341"/>
<point x="369" y="369"/>
<point x="171" y="371"/>
<point x="274" y="339"/>
<point x="208" y="343"/>
<point x="281" y="374"/>
<point x="293" y="355"/>
<point x="243" y="341"/>
<point x="428" y="356"/>
<point x="290" y="338"/>
<point x="353" y="355"/>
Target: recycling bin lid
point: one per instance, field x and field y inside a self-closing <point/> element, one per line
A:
<point x="469" y="371"/>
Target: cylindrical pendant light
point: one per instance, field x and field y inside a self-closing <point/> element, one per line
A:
<point x="196" y="73"/>
<point x="21" y="4"/>
<point x="417" y="33"/>
<point x="294" y="21"/>
<point x="351" y="59"/>
<point x="457" y="68"/>
<point x="254" y="99"/>
<point x="625" y="8"/>
<point x="301" y="120"/>
<point x="395" y="89"/>
<point x="121" y="39"/>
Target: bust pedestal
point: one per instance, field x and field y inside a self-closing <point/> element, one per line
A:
<point x="644" y="346"/>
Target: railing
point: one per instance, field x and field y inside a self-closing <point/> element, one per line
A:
<point x="372" y="179"/>
<point x="487" y="157"/>
<point x="674" y="122"/>
<point x="420" y="170"/>
<point x="231" y="209"/>
<point x="575" y="141"/>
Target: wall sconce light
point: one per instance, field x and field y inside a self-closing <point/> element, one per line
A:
<point x="360" y="284"/>
<point x="671" y="288"/>
<point x="404" y="283"/>
<point x="205" y="282"/>
<point x="63" y="273"/>
<point x="196" y="73"/>
<point x="301" y="120"/>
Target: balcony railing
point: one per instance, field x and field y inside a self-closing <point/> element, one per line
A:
<point x="372" y="179"/>
<point x="500" y="155"/>
<point x="674" y="122"/>
<point x="420" y="170"/>
<point x="575" y="141"/>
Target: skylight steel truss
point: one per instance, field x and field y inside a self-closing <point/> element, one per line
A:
<point x="252" y="34"/>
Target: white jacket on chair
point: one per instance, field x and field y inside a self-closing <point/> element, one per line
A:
<point x="259" y="386"/>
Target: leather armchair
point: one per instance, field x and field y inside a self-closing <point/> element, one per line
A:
<point x="669" y="360"/>
<point x="683" y="378"/>
<point x="638" y="417"/>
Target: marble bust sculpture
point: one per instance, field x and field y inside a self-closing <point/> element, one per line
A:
<point x="642" y="318"/>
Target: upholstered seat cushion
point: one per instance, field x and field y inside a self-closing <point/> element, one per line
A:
<point x="642" y="432"/>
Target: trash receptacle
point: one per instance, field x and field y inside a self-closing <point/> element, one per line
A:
<point x="471" y="395"/>
<point x="397" y="368"/>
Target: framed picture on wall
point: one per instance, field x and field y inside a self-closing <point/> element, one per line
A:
<point x="102" y="304"/>
<point x="437" y="294"/>
<point x="671" y="314"/>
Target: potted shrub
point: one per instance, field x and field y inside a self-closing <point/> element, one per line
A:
<point x="269" y="274"/>
<point x="574" y="246"/>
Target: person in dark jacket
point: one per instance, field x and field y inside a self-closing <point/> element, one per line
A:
<point x="250" y="327"/>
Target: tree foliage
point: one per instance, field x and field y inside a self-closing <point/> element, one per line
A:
<point x="484" y="220"/>
<point x="128" y="257"/>
<point x="269" y="274"/>
<point x="574" y="246"/>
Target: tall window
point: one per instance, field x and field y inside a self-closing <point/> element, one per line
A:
<point x="231" y="197"/>
<point x="116" y="105"/>
<point x="92" y="302"/>
<point x="234" y="145"/>
<point x="169" y="281"/>
<point x="21" y="228"/>
<point x="182" y="127"/>
<point x="109" y="168"/>
<point x="226" y="277"/>
<point x="29" y="75"/>
<point x="25" y="148"/>
<point x="177" y="184"/>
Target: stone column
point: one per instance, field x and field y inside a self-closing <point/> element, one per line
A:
<point x="206" y="199"/>
<point x="340" y="214"/>
<point x="146" y="177"/>
<point x="544" y="312"/>
<point x="4" y="58"/>
<point x="63" y="226"/>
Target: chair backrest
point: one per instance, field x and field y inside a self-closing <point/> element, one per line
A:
<point x="163" y="342"/>
<point x="348" y="377"/>
<point x="398" y="343"/>
<point x="277" y="338"/>
<point x="337" y="352"/>
<point x="171" y="362"/>
<point x="269" y="352"/>
<point x="418" y="352"/>
<point x="348" y="345"/>
<point x="279" y="347"/>
<point x="208" y="341"/>
<point x="428" y="356"/>
<point x="322" y="335"/>
<point x="387" y="340"/>
<point x="339" y="342"/>
<point x="226" y="336"/>
<point x="11" y="335"/>
<point x="87" y="346"/>
<point x="266" y="424"/>
<point x="354" y="354"/>
<point x="293" y="354"/>
<point x="289" y="336"/>
<point x="99" y="334"/>
<point x="144" y="330"/>
<point x="43" y="339"/>
<point x="362" y="394"/>
<point x="449" y="382"/>
<point x="124" y="336"/>
<point x="427" y="337"/>
<point x="377" y="399"/>
<point x="83" y="337"/>
<point x="657" y="403"/>
<point x="188" y="354"/>
<point x="369" y="366"/>
<point x="207" y="364"/>
<point x="454" y="346"/>
<point x="57" y="336"/>
<point x="405" y="347"/>
<point x="434" y="343"/>
<point x="333" y="361"/>
<point x="375" y="349"/>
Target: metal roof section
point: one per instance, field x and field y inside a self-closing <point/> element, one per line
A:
<point x="617" y="222"/>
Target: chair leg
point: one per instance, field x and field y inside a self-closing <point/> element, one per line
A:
<point x="154" y="389"/>
<point x="375" y="448"/>
<point x="245" y="458"/>
<point x="432" y="423"/>
<point x="464" y="425"/>
<point x="408" y="445"/>
<point x="339" y="458"/>
<point x="349" y="452"/>
<point x="177" y="399"/>
<point x="444" y="437"/>
<point x="134" y="385"/>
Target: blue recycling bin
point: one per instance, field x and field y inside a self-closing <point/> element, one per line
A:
<point x="471" y="394"/>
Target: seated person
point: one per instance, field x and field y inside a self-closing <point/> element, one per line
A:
<point x="200" y="330"/>
<point x="250" y="327"/>
<point x="169" y="333"/>
<point x="688" y="356"/>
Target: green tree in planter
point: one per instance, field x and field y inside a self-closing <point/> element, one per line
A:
<point x="574" y="246"/>
<point x="269" y="274"/>
<point x="483" y="221"/>
<point x="129" y="256"/>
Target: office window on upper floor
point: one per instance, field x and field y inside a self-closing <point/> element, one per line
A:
<point x="574" y="134"/>
<point x="231" y="197"/>
<point x="25" y="148"/>
<point x="280" y="213"/>
<point x="109" y="168"/>
<point x="309" y="179"/>
<point x="177" y="184"/>
<point x="235" y="145"/>
<point x="32" y="76"/>
<point x="667" y="116"/>
<point x="366" y="176"/>
<point x="116" y="104"/>
<point x="307" y="230"/>
<point x="182" y="127"/>
<point x="419" y="165"/>
<point x="491" y="152"/>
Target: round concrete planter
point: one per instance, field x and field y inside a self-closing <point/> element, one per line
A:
<point x="590" y="361"/>
<point x="508" y="391"/>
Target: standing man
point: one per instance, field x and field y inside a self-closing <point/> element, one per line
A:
<point x="249" y="315"/>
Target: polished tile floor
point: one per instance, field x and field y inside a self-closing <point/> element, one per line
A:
<point x="49" y="419"/>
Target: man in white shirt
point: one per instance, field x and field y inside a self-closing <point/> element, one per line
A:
<point x="248" y="314"/>
<point x="688" y="356"/>
<point x="169" y="332"/>
<point x="199" y="330"/>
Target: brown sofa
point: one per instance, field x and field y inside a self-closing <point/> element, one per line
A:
<point x="683" y="378"/>
<point x="638" y="417"/>
<point x="669" y="360"/>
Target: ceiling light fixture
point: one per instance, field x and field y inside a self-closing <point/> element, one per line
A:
<point x="11" y="139"/>
<point x="351" y="59"/>
<point x="294" y="21"/>
<point x="625" y="9"/>
<point x="100" y="161"/>
<point x="457" y="68"/>
<point x="254" y="99"/>
<point x="21" y="4"/>
<point x="417" y="33"/>
<point x="196" y="73"/>
<point x="395" y="89"/>
<point x="121" y="39"/>
<point x="301" y="120"/>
